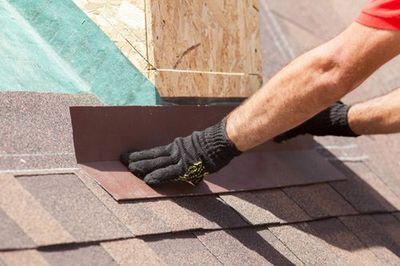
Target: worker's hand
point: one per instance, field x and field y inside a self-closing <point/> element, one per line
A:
<point x="331" y="121"/>
<point x="187" y="159"/>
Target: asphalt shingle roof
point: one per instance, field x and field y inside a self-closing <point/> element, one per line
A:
<point x="63" y="217"/>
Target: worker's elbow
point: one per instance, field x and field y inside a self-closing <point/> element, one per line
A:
<point x="334" y="73"/>
<point x="343" y="80"/>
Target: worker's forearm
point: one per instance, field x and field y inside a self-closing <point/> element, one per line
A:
<point x="377" y="116"/>
<point x="295" y="94"/>
<point x="311" y="83"/>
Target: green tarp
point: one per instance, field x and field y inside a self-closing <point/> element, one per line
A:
<point x="52" y="46"/>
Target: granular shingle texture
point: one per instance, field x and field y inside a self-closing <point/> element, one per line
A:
<point x="63" y="217"/>
<point x="132" y="252"/>
<point x="397" y="215"/>
<point x="377" y="147"/>
<point x="326" y="242"/>
<point x="30" y="216"/>
<point x="248" y="247"/>
<point x="265" y="207"/>
<point x="181" y="249"/>
<point x="36" y="130"/>
<point x="91" y="255"/>
<point x="13" y="233"/>
<point x="22" y="257"/>
<point x="375" y="236"/>
<point x="364" y="189"/>
<point x="160" y="216"/>
<point x="67" y="199"/>
<point x="320" y="200"/>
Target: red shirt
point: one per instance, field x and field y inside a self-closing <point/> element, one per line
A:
<point x="381" y="14"/>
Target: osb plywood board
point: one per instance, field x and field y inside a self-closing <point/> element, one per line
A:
<point x="200" y="84"/>
<point x="202" y="37"/>
<point x="124" y="23"/>
<point x="207" y="35"/>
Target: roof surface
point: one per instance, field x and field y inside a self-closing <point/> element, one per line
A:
<point x="52" y="213"/>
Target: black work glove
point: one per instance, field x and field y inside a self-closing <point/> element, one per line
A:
<point x="187" y="159"/>
<point x="331" y="121"/>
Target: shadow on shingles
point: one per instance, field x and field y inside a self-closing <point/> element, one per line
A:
<point x="355" y="233"/>
<point x="217" y="211"/>
<point x="251" y="240"/>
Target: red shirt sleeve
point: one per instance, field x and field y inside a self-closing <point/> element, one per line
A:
<point x="381" y="14"/>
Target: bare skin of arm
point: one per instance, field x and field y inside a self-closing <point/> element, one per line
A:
<point x="311" y="83"/>
<point x="377" y="116"/>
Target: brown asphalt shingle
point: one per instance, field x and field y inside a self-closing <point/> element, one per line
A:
<point x="319" y="200"/>
<point x="90" y="255"/>
<point x="265" y="207"/>
<point x="22" y="257"/>
<point x="380" y="149"/>
<point x="30" y="216"/>
<point x="181" y="249"/>
<point x="364" y="190"/>
<point x="72" y="204"/>
<point x="35" y="129"/>
<point x="397" y="215"/>
<point x="326" y="242"/>
<point x="375" y="236"/>
<point x="160" y="216"/>
<point x="390" y="224"/>
<point x="248" y="247"/>
<point x="132" y="252"/>
<point x="9" y="230"/>
<point x="343" y="150"/>
<point x="287" y="34"/>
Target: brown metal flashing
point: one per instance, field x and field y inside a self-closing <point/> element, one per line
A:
<point x="101" y="134"/>
<point x="250" y="171"/>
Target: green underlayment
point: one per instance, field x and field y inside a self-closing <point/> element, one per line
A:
<point x="52" y="46"/>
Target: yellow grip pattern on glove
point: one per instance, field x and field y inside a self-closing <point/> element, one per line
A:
<point x="194" y="174"/>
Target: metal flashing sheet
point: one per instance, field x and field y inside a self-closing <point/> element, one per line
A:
<point x="101" y="134"/>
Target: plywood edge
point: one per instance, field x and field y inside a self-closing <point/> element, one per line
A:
<point x="204" y="84"/>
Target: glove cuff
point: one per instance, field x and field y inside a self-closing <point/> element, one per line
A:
<point x="218" y="149"/>
<point x="339" y="121"/>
